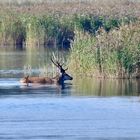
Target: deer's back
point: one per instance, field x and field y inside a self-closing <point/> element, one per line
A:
<point x="41" y="80"/>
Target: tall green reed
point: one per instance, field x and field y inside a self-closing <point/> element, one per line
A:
<point x="113" y="54"/>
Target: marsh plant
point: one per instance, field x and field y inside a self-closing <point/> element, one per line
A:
<point x="114" y="54"/>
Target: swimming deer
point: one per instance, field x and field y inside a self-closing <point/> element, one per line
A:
<point x="58" y="79"/>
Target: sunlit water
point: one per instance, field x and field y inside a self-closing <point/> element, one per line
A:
<point x="85" y="109"/>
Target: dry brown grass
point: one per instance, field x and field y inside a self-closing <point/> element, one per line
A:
<point x="95" y="7"/>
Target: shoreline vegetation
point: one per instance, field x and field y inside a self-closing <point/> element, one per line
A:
<point x="103" y="36"/>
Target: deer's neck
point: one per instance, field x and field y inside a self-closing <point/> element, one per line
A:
<point x="59" y="79"/>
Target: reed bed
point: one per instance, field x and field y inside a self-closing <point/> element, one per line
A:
<point x="108" y="55"/>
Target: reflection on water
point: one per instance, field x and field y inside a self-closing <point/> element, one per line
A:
<point x="107" y="87"/>
<point x="33" y="57"/>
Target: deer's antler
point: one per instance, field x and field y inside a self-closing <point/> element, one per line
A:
<point x="57" y="64"/>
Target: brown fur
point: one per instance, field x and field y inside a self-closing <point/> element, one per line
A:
<point x="41" y="80"/>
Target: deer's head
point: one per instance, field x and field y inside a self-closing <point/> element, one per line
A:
<point x="63" y="75"/>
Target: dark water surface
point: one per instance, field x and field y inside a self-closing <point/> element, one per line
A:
<point x="85" y="109"/>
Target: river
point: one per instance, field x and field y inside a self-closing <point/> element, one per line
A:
<point x="85" y="109"/>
